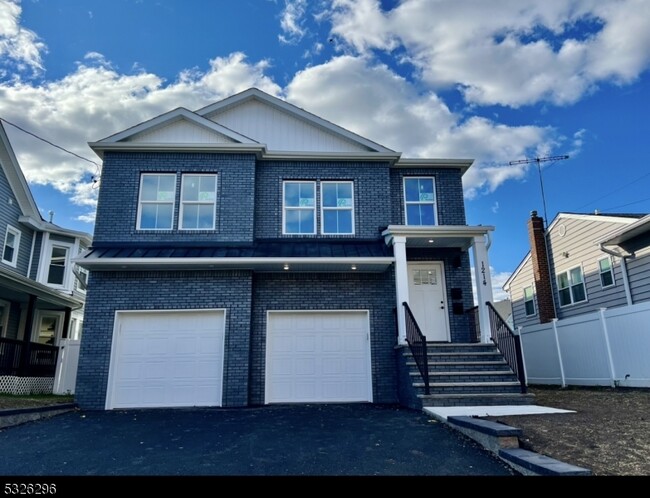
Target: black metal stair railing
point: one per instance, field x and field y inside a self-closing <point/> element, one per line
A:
<point x="508" y="343"/>
<point x="418" y="344"/>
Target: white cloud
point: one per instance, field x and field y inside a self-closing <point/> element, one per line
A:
<point x="507" y="52"/>
<point x="291" y="21"/>
<point x="373" y="101"/>
<point x="20" y="48"/>
<point x="498" y="279"/>
<point x="95" y="101"/>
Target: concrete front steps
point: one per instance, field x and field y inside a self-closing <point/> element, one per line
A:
<point x="469" y="374"/>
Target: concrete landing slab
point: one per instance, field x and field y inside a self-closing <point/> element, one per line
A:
<point x="442" y="412"/>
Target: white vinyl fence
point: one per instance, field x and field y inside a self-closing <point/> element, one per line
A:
<point x="609" y="347"/>
<point x="66" y="368"/>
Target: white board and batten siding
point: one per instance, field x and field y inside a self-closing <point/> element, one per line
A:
<point x="281" y="131"/>
<point x="167" y="359"/>
<point x="180" y="132"/>
<point x="318" y="356"/>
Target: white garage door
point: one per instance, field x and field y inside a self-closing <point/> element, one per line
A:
<point x="167" y="359"/>
<point x="318" y="357"/>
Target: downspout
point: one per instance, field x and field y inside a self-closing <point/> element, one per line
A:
<point x="626" y="281"/>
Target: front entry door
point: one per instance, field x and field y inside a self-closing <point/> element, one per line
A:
<point x="428" y="299"/>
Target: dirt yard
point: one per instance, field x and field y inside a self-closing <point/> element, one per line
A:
<point x="609" y="433"/>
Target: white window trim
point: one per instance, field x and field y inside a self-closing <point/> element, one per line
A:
<point x="4" y="318"/>
<point x="17" y="235"/>
<point x="284" y="208"/>
<point x="199" y="203"/>
<point x="140" y="202"/>
<point x="611" y="270"/>
<point x="323" y="208"/>
<point x="532" y="299"/>
<point x="584" y="285"/>
<point x="435" y="198"/>
<point x="46" y="258"/>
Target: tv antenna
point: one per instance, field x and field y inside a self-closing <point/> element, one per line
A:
<point x="538" y="161"/>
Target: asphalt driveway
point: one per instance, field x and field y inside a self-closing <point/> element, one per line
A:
<point x="300" y="440"/>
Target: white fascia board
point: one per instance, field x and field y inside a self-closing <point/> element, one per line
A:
<point x="513" y="275"/>
<point x="390" y="157"/>
<point x="462" y="164"/>
<point x="589" y="217"/>
<point x="255" y="93"/>
<point x="232" y="262"/>
<point x="15" y="176"/>
<point x="100" y="147"/>
<point x="437" y="230"/>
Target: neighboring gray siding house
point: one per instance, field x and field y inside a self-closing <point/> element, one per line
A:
<point x="41" y="292"/>
<point x="252" y="253"/>
<point x="579" y="264"/>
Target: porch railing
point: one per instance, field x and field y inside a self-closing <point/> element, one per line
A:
<point x="38" y="361"/>
<point x="508" y="344"/>
<point x="418" y="344"/>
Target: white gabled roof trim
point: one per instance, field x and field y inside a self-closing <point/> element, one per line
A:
<point x="100" y="147"/>
<point x="506" y="285"/>
<point x="255" y="93"/>
<point x="462" y="164"/>
<point x="620" y="235"/>
<point x="589" y="217"/>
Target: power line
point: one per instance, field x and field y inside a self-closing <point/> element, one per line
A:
<point x="539" y="160"/>
<point x="614" y="191"/>
<point x="625" y="205"/>
<point x="50" y="143"/>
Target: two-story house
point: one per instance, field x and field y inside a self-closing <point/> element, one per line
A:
<point x="580" y="263"/>
<point x="251" y="253"/>
<point x="41" y="292"/>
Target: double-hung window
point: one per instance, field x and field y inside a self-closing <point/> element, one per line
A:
<point x="198" y="202"/>
<point x="571" y="287"/>
<point x="299" y="212"/>
<point x="10" y="249"/>
<point x="58" y="263"/>
<point x="156" y="204"/>
<point x="529" y="301"/>
<point x="606" y="272"/>
<point x="337" y="208"/>
<point x="420" y="200"/>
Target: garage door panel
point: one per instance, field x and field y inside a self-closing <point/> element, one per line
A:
<point x="311" y="357"/>
<point x="166" y="359"/>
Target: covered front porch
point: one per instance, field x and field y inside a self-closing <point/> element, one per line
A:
<point x="432" y="276"/>
<point x="33" y="319"/>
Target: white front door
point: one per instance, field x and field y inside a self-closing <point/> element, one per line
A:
<point x="428" y="299"/>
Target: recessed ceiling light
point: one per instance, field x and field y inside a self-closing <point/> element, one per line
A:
<point x="353" y="267"/>
<point x="285" y="267"/>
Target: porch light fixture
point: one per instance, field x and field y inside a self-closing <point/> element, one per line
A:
<point x="353" y="267"/>
<point x="430" y="241"/>
<point x="285" y="267"/>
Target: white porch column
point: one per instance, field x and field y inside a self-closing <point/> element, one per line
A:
<point x="483" y="285"/>
<point x="401" y="285"/>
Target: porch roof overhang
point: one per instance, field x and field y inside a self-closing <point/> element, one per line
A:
<point x="285" y="255"/>
<point x="437" y="236"/>
<point x="20" y="288"/>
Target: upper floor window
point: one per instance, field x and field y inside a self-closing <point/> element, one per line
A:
<point x="337" y="208"/>
<point x="156" y="205"/>
<point x="10" y="249"/>
<point x="571" y="286"/>
<point x="58" y="264"/>
<point x="420" y="200"/>
<point x="606" y="272"/>
<point x="529" y="301"/>
<point x="299" y="207"/>
<point x="198" y="202"/>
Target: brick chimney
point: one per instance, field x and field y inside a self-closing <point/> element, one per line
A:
<point x="541" y="270"/>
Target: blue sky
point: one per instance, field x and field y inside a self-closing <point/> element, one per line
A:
<point x="496" y="81"/>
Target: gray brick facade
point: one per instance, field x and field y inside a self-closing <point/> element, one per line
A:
<point x="329" y="291"/>
<point x="117" y="205"/>
<point x="109" y="292"/>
